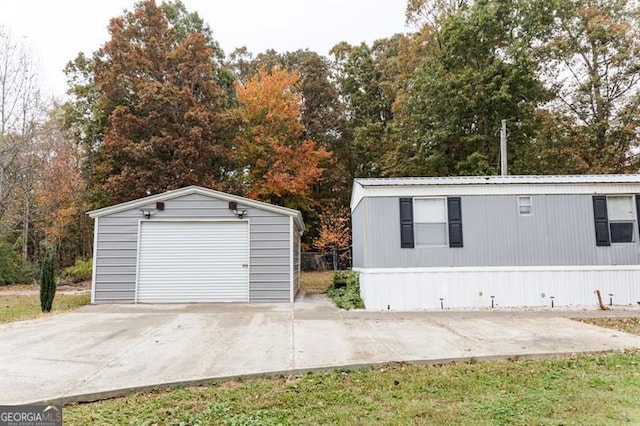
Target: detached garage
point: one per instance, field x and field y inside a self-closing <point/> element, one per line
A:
<point x="195" y="245"/>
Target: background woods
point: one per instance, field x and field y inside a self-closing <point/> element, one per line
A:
<point x="159" y="106"/>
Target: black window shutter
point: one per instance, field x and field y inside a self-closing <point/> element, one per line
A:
<point x="406" y="222"/>
<point x="454" y="210"/>
<point x="601" y="219"/>
<point x="638" y="211"/>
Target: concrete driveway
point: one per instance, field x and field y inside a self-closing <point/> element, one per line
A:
<point x="102" y="350"/>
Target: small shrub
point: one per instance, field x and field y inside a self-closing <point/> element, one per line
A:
<point x="48" y="281"/>
<point x="345" y="290"/>
<point x="78" y="272"/>
<point x="12" y="269"/>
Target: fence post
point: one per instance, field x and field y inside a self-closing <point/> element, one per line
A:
<point x="335" y="259"/>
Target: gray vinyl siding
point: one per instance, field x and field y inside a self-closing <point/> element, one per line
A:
<point x="560" y="232"/>
<point x="117" y="243"/>
<point x="360" y="230"/>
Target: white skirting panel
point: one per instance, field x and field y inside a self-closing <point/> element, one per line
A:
<point x="422" y="288"/>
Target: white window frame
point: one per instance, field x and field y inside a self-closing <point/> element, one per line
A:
<point x="633" y="220"/>
<point x="521" y="198"/>
<point x="446" y="222"/>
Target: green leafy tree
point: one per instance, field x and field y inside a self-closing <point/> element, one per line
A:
<point x="10" y="264"/>
<point x="481" y="73"/>
<point x="558" y="146"/>
<point x="368" y="107"/>
<point x="591" y="58"/>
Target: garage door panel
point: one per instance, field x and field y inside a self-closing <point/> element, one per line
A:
<point x="193" y="262"/>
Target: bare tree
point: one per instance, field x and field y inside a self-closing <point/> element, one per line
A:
<point x="433" y="12"/>
<point x="20" y="153"/>
<point x="591" y="59"/>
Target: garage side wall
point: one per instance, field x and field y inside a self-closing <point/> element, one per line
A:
<point x="296" y="260"/>
<point x="117" y="242"/>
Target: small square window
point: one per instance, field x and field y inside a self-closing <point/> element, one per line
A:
<point x="525" y="206"/>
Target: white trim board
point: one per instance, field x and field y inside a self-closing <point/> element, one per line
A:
<point x="135" y="293"/>
<point x="291" y="277"/>
<point x="96" y="229"/>
<point x="457" y="190"/>
<point x="499" y="269"/>
<point x="498" y="179"/>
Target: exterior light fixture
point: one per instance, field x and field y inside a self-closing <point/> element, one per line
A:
<point x="240" y="212"/>
<point x="233" y="206"/>
<point x="147" y="213"/>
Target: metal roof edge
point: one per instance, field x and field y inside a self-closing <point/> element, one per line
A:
<point x="500" y="180"/>
<point x="194" y="189"/>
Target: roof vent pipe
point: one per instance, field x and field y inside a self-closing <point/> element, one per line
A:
<point x="503" y="149"/>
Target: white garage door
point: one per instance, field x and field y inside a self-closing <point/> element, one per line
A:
<point x="182" y="262"/>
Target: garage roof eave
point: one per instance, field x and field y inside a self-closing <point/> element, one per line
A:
<point x="140" y="202"/>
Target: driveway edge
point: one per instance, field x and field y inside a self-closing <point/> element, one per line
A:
<point x="115" y="393"/>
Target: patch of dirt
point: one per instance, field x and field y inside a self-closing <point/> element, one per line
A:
<point x="18" y="288"/>
<point x="231" y="384"/>
<point x="28" y="289"/>
<point x="81" y="286"/>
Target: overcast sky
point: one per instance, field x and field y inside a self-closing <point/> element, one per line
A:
<point x="56" y="30"/>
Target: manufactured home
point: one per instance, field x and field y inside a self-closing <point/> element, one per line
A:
<point x="195" y="245"/>
<point x="432" y="243"/>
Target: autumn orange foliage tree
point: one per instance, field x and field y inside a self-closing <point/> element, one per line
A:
<point x="60" y="198"/>
<point x="275" y="163"/>
<point x="61" y="192"/>
<point x="334" y="233"/>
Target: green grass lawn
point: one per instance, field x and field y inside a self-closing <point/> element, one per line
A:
<point x="599" y="389"/>
<point x="21" y="307"/>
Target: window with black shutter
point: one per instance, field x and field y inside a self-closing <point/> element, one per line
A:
<point x="406" y="223"/>
<point x="454" y="210"/>
<point x="601" y="220"/>
<point x="615" y="218"/>
<point x="622" y="221"/>
<point x="432" y="221"/>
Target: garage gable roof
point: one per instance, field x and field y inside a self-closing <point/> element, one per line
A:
<point x="140" y="202"/>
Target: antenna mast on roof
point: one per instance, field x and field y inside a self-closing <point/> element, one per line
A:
<point x="503" y="148"/>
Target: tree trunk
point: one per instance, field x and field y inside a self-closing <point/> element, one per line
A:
<point x="25" y="230"/>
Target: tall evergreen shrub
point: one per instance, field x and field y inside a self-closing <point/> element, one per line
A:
<point x="48" y="280"/>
